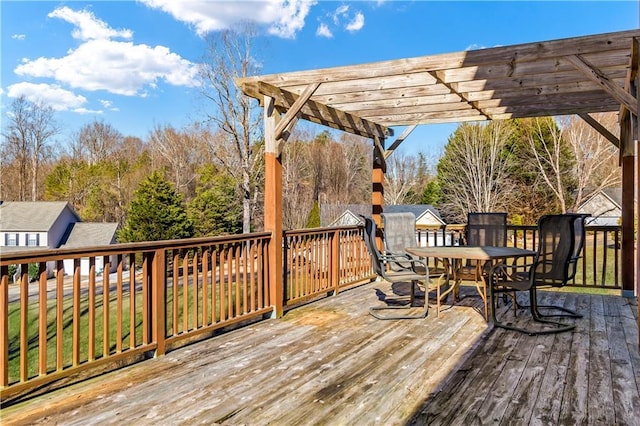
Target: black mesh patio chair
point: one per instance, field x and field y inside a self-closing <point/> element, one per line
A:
<point x="415" y="273"/>
<point x="579" y="236"/>
<point x="400" y="233"/>
<point x="552" y="266"/>
<point x="483" y="229"/>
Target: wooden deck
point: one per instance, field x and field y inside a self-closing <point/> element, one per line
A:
<point x="329" y="362"/>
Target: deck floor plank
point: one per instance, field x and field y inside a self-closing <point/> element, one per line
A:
<point x="329" y="362"/>
<point x="625" y="404"/>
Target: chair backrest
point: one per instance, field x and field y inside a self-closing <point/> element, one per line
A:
<point x="370" y="241"/>
<point x="579" y="236"/>
<point x="486" y="229"/>
<point x="399" y="233"/>
<point x="556" y="242"/>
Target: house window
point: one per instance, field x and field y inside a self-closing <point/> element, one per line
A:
<point x="32" y="240"/>
<point x="11" y="239"/>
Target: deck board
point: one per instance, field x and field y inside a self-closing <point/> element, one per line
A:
<point x="329" y="362"/>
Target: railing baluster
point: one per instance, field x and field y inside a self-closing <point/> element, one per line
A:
<point x="176" y="299"/>
<point x="42" y="323"/>
<point x="106" y="303"/>
<point x="119" y="301"/>
<point x="59" y="315"/>
<point x="205" y="286"/>
<point x="24" y="321"/>
<point x="132" y="301"/>
<point x="196" y="293"/>
<point x="92" y="309"/>
<point x="4" y="325"/>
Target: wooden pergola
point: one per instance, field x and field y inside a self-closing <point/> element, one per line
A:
<point x="582" y="75"/>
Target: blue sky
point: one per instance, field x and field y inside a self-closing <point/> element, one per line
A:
<point x="133" y="64"/>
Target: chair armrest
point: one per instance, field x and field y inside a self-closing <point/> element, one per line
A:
<point x="403" y="258"/>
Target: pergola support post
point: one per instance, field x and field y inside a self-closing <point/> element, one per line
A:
<point x="377" y="190"/>
<point x="273" y="207"/>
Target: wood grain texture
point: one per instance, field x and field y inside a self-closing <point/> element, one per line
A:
<point x="588" y="74"/>
<point x="329" y="362"/>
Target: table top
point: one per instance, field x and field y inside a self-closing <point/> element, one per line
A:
<point x="470" y="252"/>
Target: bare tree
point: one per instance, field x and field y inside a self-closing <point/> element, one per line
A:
<point x="596" y="158"/>
<point x="297" y="195"/>
<point x="96" y="142"/>
<point x="473" y="171"/>
<point x="401" y="178"/>
<point x="179" y="149"/>
<point x="229" y="56"/>
<point x="549" y="152"/>
<point x="30" y="128"/>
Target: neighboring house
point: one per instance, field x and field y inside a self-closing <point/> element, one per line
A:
<point x="30" y="225"/>
<point x="426" y="215"/>
<point x="605" y="207"/>
<point x="82" y="234"/>
<point x="35" y="223"/>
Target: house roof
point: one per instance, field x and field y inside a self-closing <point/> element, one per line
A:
<point x="333" y="213"/>
<point x="83" y="234"/>
<point x="577" y="75"/>
<point x="418" y="210"/>
<point x="31" y="215"/>
<point x="614" y="194"/>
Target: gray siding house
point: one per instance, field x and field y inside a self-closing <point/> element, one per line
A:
<point x="32" y="225"/>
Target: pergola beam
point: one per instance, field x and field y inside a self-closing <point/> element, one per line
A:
<point x="439" y="76"/>
<point x="398" y="141"/>
<point x="317" y="112"/>
<point x="600" y="129"/>
<point x="291" y="115"/>
<point x="599" y="77"/>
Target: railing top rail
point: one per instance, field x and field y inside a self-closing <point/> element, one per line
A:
<point x="321" y="230"/>
<point x="8" y="256"/>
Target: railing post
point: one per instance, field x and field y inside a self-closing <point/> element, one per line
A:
<point x="4" y="325"/>
<point x="158" y="305"/>
<point x="273" y="206"/>
<point x="335" y="260"/>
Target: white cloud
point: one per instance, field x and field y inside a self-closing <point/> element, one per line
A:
<point x="356" y="23"/>
<point x="88" y="27"/>
<point x="284" y="17"/>
<point x="340" y="11"/>
<point x="119" y="67"/>
<point x="475" y="46"/>
<point x="324" y="31"/>
<point x="18" y="36"/>
<point x="122" y="68"/>
<point x="87" y="111"/>
<point x="48" y="94"/>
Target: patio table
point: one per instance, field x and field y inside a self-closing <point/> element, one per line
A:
<point x="453" y="256"/>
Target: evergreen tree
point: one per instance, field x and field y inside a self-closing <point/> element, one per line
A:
<point x="432" y="193"/>
<point x="216" y="208"/>
<point x="314" y="216"/>
<point x="157" y="212"/>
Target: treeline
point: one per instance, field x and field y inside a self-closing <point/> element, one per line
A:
<point x="107" y="176"/>
<point x="525" y="167"/>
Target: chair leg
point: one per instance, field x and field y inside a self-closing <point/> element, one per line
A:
<point x="558" y="326"/>
<point x="566" y="312"/>
<point x="374" y="310"/>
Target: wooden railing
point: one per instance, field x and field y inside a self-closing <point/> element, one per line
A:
<point x="146" y="298"/>
<point x="323" y="260"/>
<point x="64" y="314"/>
<point x="598" y="267"/>
<point x="75" y="310"/>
